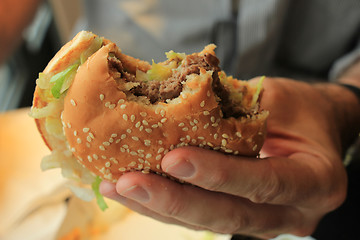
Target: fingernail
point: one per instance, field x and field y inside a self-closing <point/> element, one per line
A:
<point x="136" y="193"/>
<point x="181" y="168"/>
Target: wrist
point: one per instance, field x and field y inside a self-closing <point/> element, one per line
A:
<point x="344" y="106"/>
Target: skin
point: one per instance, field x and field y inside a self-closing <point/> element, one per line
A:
<point x="14" y="18"/>
<point x="296" y="181"/>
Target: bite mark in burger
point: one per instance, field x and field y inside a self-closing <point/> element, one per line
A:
<point x="104" y="113"/>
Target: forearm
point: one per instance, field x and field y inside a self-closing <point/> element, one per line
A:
<point x="345" y="104"/>
<point x="14" y="18"/>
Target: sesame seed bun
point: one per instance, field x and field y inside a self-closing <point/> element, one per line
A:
<point x="110" y="131"/>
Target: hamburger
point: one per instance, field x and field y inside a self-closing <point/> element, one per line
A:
<point x="104" y="113"/>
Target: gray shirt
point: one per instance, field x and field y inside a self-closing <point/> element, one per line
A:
<point x="303" y="39"/>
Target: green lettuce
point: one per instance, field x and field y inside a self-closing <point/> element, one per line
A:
<point x="99" y="198"/>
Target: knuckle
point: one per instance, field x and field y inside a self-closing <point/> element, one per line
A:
<point x="174" y="208"/>
<point x="238" y="223"/>
<point x="217" y="180"/>
<point x="268" y="191"/>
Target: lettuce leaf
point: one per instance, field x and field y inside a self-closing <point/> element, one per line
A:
<point x="62" y="80"/>
<point x="99" y="198"/>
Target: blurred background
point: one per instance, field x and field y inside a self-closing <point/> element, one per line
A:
<point x="42" y="34"/>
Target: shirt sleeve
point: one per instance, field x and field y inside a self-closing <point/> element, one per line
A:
<point x="344" y="62"/>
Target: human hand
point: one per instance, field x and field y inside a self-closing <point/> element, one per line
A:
<point x="298" y="179"/>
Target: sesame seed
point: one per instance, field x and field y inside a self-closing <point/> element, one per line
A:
<point x="181" y="124"/>
<point x="106" y="143"/>
<point x="78" y="140"/>
<point x="192" y="123"/>
<point x="123" y="136"/>
<point x="185" y="129"/>
<point x="72" y="150"/>
<point x="196" y="121"/>
<point x="141" y="128"/>
<point x="225" y="135"/>
<point x="112" y="106"/>
<point x="145" y="122"/>
<point x="223" y="142"/>
<point x="216" y="136"/>
<point x="143" y="114"/>
<point x="123" y="106"/>
<point x="125" y="117"/>
<point x="215" y="125"/>
<point x="140" y="166"/>
<point x="137" y="125"/>
<point x="111" y="140"/>
<point x="114" y="135"/>
<point x="148" y="130"/>
<point x="208" y="93"/>
<point x="89" y="158"/>
<point x="221" y="114"/>
<point x="73" y="102"/>
<point x="135" y="138"/>
<point x="68" y="125"/>
<point x="87" y="144"/>
<point x="101" y="147"/>
<point x="121" y="101"/>
<point x="193" y="141"/>
<point x="107" y="164"/>
<point x="154" y="125"/>
<point x="103" y="157"/>
<point x="141" y="160"/>
<point x="91" y="135"/>
<point x="206" y="113"/>
<point x="188" y="137"/>
<point x="210" y="144"/>
<point x="125" y="146"/>
<point x="182" y="139"/>
<point x="132" y="118"/>
<point x="122" y="149"/>
<point x="161" y="150"/>
<point x="132" y="164"/>
<point x="122" y="169"/>
<point x="157" y="111"/>
<point x="229" y="151"/>
<point x="95" y="156"/>
<point x="163" y="120"/>
<point x="107" y="104"/>
<point x="202" y="104"/>
<point x="148" y="155"/>
<point x="160" y="142"/>
<point x="147" y="142"/>
<point x="201" y="138"/>
<point x="158" y="166"/>
<point x="75" y="133"/>
<point x="85" y="130"/>
<point x="162" y="112"/>
<point x="206" y="125"/>
<point x="194" y="128"/>
<point x="236" y="152"/>
<point x="101" y="97"/>
<point x="238" y="134"/>
<point x="108" y="176"/>
<point x="128" y="130"/>
<point x="118" y="140"/>
<point x="254" y="148"/>
<point x="212" y="119"/>
<point x="158" y="157"/>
